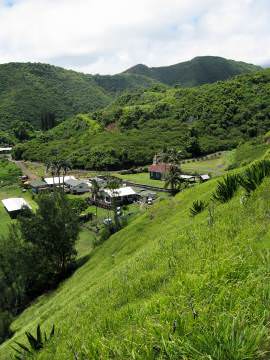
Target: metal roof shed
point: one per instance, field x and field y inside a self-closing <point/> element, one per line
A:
<point x="15" y="205"/>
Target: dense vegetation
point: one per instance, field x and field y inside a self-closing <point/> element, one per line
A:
<point x="198" y="71"/>
<point x="30" y="90"/>
<point x="36" y="254"/>
<point x="167" y="286"/>
<point x="8" y="172"/>
<point x="136" y="125"/>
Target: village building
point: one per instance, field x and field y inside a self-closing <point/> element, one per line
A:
<point x="204" y="177"/>
<point x="57" y="180"/>
<point x="159" y="171"/>
<point x="146" y="195"/>
<point x="14" y="206"/>
<point x="101" y="181"/>
<point x="123" y="195"/>
<point x="5" y="150"/>
<point x="188" y="178"/>
<point x="78" y="186"/>
<point x="38" y="186"/>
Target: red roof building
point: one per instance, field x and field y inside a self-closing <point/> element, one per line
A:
<point x="159" y="171"/>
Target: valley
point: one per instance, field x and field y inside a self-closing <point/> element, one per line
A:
<point x="147" y="233"/>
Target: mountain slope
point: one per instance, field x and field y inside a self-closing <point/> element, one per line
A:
<point x="167" y="286"/>
<point x="136" y="125"/>
<point x="27" y="90"/>
<point x="198" y="71"/>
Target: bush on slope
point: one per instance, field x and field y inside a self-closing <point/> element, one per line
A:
<point x="167" y="287"/>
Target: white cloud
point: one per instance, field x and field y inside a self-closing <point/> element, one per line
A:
<point x="109" y="36"/>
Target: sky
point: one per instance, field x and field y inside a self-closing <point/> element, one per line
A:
<point x="109" y="36"/>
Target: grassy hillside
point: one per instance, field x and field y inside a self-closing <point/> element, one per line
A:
<point x="27" y="90"/>
<point x="167" y="287"/>
<point x="198" y="71"/>
<point x="138" y="124"/>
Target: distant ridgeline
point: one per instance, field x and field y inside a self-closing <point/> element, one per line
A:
<point x="198" y="71"/>
<point x="31" y="91"/>
<point x="137" y="124"/>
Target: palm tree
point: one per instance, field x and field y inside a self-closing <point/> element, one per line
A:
<point x="173" y="180"/>
<point x="64" y="166"/>
<point x="95" y="192"/>
<point x="52" y="168"/>
<point x="113" y="185"/>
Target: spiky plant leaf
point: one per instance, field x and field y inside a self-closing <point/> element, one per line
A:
<point x="52" y="332"/>
<point x="197" y="207"/>
<point x="39" y="335"/>
<point x="226" y="188"/>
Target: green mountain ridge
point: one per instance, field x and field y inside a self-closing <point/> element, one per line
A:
<point x="27" y="90"/>
<point x="136" y="125"/>
<point x="198" y="71"/>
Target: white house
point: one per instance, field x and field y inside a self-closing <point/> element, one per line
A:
<point x="78" y="186"/>
<point x="15" y="205"/>
<point x="121" y="195"/>
<point x="50" y="181"/>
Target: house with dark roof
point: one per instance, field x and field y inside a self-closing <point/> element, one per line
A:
<point x="78" y="186"/>
<point x="38" y="185"/>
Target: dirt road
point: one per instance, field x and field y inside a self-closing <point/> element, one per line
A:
<point x="25" y="170"/>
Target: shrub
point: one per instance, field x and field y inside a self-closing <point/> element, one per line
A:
<point x="254" y="175"/>
<point x="226" y="188"/>
<point x="35" y="343"/>
<point x="197" y="207"/>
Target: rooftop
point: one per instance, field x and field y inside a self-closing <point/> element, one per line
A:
<point x="76" y="182"/>
<point x="5" y="149"/>
<point x="123" y="191"/>
<point x="57" y="180"/>
<point x="160" y="168"/>
<point x="15" y="204"/>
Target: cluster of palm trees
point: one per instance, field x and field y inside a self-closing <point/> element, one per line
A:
<point x="173" y="180"/>
<point x="58" y="168"/>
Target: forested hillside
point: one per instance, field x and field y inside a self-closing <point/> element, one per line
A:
<point x="29" y="91"/>
<point x="198" y="71"/>
<point x="136" y="125"/>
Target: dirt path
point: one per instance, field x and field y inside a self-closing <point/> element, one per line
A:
<point x="25" y="170"/>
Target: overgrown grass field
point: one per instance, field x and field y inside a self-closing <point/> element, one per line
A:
<point x="214" y="165"/>
<point x="168" y="286"/>
<point x="141" y="178"/>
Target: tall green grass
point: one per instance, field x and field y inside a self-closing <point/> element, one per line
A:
<point x="167" y="287"/>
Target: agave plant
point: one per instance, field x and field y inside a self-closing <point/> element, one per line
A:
<point x="254" y="175"/>
<point x="35" y="343"/>
<point x="226" y="188"/>
<point x="197" y="207"/>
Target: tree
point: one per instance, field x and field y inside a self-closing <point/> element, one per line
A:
<point x="58" y="167"/>
<point x="95" y="189"/>
<point x="173" y="179"/>
<point x="171" y="156"/>
<point x="113" y="185"/>
<point x="22" y="130"/>
<point x="47" y="120"/>
<point x="53" y="231"/>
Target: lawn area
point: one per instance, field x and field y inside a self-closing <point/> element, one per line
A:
<point x="141" y="178"/>
<point x="216" y="166"/>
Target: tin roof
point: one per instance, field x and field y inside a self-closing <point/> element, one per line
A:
<point x="58" y="180"/>
<point x="123" y="191"/>
<point x="15" y="204"/>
